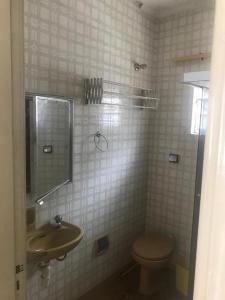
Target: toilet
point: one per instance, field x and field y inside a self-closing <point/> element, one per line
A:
<point x="153" y="253"/>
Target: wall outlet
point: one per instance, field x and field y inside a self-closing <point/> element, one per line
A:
<point x="101" y="245"/>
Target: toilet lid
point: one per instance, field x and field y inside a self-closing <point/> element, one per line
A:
<point x="153" y="247"/>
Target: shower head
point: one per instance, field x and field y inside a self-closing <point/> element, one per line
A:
<point x="139" y="4"/>
<point x="138" y="67"/>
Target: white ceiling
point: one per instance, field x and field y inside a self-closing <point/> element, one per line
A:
<point x="163" y="8"/>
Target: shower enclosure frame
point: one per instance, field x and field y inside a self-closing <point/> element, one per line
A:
<point x="197" y="200"/>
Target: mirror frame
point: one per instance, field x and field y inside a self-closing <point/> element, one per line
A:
<point x="32" y="133"/>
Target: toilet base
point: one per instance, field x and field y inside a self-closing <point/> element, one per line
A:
<point x="151" y="281"/>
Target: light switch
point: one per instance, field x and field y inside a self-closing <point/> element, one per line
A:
<point x="174" y="158"/>
<point x="47" y="149"/>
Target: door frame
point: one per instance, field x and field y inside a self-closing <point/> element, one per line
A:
<point x="12" y="151"/>
<point x="210" y="271"/>
<point x="19" y="147"/>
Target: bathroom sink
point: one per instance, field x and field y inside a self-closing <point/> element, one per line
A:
<point x="49" y="242"/>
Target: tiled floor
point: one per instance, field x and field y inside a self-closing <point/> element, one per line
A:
<point x="126" y="288"/>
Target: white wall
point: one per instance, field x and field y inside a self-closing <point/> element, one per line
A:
<point x="210" y="273"/>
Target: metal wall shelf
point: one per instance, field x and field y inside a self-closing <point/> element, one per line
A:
<point x="102" y="92"/>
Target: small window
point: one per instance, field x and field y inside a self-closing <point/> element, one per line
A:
<point x="199" y="111"/>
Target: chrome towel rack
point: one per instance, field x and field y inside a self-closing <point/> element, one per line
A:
<point x="98" y="91"/>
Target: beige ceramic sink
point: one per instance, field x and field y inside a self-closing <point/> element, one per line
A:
<point x="49" y="242"/>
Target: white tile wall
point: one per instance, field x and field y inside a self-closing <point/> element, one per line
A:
<point x="171" y="187"/>
<point x="66" y="41"/>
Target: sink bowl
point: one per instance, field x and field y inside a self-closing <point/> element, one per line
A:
<point x="49" y="242"/>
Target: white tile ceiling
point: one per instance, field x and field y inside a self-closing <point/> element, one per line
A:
<point x="163" y="8"/>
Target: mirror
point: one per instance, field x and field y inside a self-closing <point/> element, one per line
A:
<point x="48" y="144"/>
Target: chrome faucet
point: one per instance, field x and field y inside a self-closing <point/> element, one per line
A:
<point x="58" y="221"/>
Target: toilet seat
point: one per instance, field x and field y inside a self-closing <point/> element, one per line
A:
<point x="153" y="247"/>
